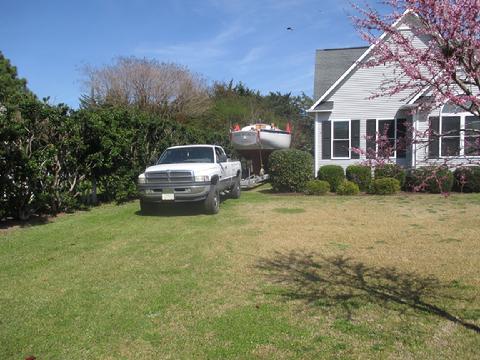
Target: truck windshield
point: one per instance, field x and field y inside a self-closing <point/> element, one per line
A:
<point x="187" y="155"/>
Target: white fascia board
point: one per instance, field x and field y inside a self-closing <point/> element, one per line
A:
<point x="319" y="111"/>
<point x="356" y="63"/>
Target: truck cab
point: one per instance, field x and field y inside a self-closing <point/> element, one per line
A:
<point x="190" y="173"/>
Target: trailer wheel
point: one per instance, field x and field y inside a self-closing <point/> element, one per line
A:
<point x="212" y="202"/>
<point x="236" y="190"/>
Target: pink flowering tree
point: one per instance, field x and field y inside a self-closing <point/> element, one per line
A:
<point x="446" y="70"/>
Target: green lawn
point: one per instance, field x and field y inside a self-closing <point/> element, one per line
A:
<point x="269" y="277"/>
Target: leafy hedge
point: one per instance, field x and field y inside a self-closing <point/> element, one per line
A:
<point x="290" y="170"/>
<point x="333" y="174"/>
<point x="385" y="186"/>
<point x="391" y="171"/>
<point x="432" y="179"/>
<point x="53" y="159"/>
<point x="360" y="175"/>
<point x="467" y="179"/>
<point x="317" y="187"/>
<point x="347" y="188"/>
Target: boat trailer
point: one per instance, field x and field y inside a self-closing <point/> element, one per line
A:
<point x="253" y="181"/>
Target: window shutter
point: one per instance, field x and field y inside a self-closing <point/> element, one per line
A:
<point x="326" y="140"/>
<point x="401" y="138"/>
<point x="371" y="137"/>
<point x="355" y="140"/>
<point x="433" y="141"/>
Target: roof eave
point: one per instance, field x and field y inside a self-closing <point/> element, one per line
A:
<point x="356" y="63"/>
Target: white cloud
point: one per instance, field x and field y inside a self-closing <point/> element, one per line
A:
<point x="196" y="53"/>
<point x="252" y="55"/>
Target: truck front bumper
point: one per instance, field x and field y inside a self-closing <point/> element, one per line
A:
<point x="155" y="193"/>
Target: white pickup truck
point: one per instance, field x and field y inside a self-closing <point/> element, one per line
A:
<point x="190" y="173"/>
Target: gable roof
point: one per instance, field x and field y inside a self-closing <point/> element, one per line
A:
<point x="330" y="64"/>
<point x="355" y="64"/>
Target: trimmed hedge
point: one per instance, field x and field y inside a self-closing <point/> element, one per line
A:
<point x="347" y="188"/>
<point x="385" y="186"/>
<point x="360" y="175"/>
<point x="467" y="179"/>
<point x="391" y="171"/>
<point x="432" y="179"/>
<point x="333" y="174"/>
<point x="317" y="187"/>
<point x="290" y="170"/>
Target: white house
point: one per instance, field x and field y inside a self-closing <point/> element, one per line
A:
<point x="345" y="117"/>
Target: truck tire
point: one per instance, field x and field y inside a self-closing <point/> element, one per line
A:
<point x="146" y="207"/>
<point x="236" y="190"/>
<point x="212" y="202"/>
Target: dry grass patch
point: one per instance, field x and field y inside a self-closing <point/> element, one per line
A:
<point x="271" y="276"/>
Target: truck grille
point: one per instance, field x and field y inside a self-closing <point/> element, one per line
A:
<point x="169" y="177"/>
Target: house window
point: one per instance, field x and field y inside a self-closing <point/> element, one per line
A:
<point x="472" y="136"/>
<point x="341" y="139"/>
<point x="388" y="128"/>
<point x="450" y="135"/>
<point x="458" y="133"/>
<point x="393" y="133"/>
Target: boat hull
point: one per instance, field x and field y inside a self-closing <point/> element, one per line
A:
<point x="262" y="140"/>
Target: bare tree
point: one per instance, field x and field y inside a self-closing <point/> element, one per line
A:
<point x="165" y="88"/>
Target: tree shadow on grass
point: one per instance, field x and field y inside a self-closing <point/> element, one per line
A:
<point x="342" y="281"/>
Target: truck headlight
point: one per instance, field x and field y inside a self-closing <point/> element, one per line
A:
<point x="141" y="179"/>
<point x="202" y="178"/>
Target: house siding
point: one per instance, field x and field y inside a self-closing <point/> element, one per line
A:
<point x="351" y="100"/>
<point x="330" y="64"/>
<point x="320" y="117"/>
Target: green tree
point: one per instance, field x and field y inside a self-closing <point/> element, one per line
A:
<point x="12" y="88"/>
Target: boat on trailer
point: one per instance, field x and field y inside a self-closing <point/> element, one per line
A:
<point x="261" y="137"/>
<point x="255" y="143"/>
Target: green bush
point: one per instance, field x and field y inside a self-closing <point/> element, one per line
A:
<point x="347" y="188"/>
<point x="391" y="171"/>
<point x="360" y="175"/>
<point x="432" y="179"/>
<point x="333" y="174"/>
<point x="70" y="153"/>
<point x="467" y="179"/>
<point x="317" y="187"/>
<point x="290" y="170"/>
<point x="385" y="186"/>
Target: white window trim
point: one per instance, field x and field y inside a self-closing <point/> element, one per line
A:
<point x="463" y="135"/>
<point x="462" y="116"/>
<point x="332" y="139"/>
<point x="394" y="156"/>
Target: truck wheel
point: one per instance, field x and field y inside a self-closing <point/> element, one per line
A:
<point x="212" y="202"/>
<point x="145" y="207"/>
<point x="236" y="190"/>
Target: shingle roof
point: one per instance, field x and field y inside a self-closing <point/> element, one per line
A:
<point x="330" y="64"/>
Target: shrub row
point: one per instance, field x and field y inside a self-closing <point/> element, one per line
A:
<point x="391" y="171"/>
<point x="333" y="174"/>
<point x="317" y="187"/>
<point x="467" y="179"/>
<point x="290" y="170"/>
<point x="433" y="179"/>
<point x="347" y="187"/>
<point x="384" y="186"/>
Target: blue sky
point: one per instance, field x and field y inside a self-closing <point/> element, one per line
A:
<point x="245" y="40"/>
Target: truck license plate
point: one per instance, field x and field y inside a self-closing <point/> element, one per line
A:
<point x="168" y="197"/>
